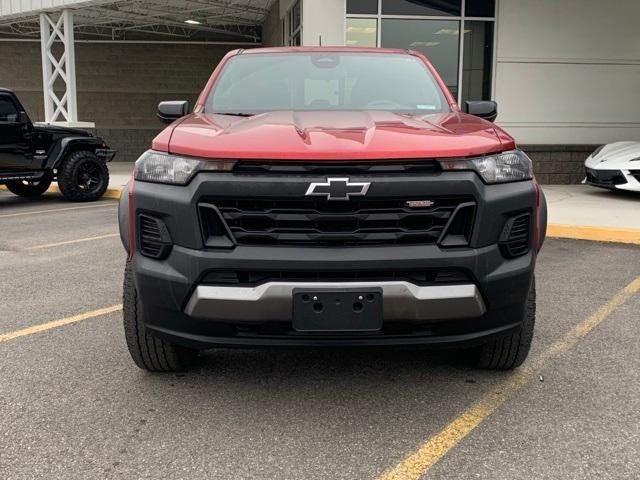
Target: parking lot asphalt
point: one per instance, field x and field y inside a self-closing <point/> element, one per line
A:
<point x="73" y="405"/>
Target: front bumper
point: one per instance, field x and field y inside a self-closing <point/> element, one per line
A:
<point x="613" y="179"/>
<point x="179" y="307"/>
<point x="179" y="304"/>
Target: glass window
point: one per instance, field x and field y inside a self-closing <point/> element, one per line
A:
<point x="422" y="7"/>
<point x="362" y="32"/>
<point x="256" y="83"/>
<point x="478" y="61"/>
<point x="294" y="18"/>
<point x="480" y="8"/>
<point x="439" y="40"/>
<point x="8" y="111"/>
<point x="361" y="7"/>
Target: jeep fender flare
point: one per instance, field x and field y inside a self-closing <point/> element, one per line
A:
<point x="67" y="144"/>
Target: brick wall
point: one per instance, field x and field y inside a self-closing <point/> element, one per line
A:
<point x="559" y="164"/>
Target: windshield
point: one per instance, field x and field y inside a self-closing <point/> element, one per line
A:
<point x="257" y="83"/>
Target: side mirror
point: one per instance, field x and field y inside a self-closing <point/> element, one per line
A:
<point x="170" y="111"/>
<point x="486" y="109"/>
<point x="23" y="118"/>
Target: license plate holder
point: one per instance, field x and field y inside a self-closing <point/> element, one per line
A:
<point x="337" y="310"/>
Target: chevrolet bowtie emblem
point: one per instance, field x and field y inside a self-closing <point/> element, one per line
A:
<point x="338" y="189"/>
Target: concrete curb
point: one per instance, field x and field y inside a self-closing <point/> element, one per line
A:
<point x="113" y="193"/>
<point x="554" y="230"/>
<point x="596" y="234"/>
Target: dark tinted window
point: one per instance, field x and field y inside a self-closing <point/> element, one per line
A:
<point x="256" y="83"/>
<point x="478" y="60"/>
<point x="480" y="8"/>
<point x="8" y="111"/>
<point x="362" y="6"/>
<point x="422" y="7"/>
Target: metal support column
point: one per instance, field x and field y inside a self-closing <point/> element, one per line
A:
<point x="56" y="31"/>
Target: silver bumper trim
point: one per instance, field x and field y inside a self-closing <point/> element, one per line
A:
<point x="273" y="301"/>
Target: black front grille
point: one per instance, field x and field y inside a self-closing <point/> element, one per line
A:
<point x="517" y="235"/>
<point x="635" y="174"/>
<point x="319" y="222"/>
<point x="255" y="277"/>
<point x="605" y="177"/>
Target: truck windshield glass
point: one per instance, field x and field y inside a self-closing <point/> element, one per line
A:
<point x="258" y="83"/>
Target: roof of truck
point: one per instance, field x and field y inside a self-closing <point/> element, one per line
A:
<point x="323" y="49"/>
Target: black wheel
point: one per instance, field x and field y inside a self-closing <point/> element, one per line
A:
<point x="83" y="177"/>
<point x="148" y="352"/>
<point x="31" y="188"/>
<point x="509" y="351"/>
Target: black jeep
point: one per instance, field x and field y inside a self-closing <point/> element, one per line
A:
<point x="32" y="156"/>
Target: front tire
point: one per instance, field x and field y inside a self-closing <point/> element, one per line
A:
<point x="510" y="351"/>
<point x="29" y="188"/>
<point x="83" y="177"/>
<point x="148" y="352"/>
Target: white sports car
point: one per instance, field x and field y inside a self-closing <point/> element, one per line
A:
<point x="615" y="166"/>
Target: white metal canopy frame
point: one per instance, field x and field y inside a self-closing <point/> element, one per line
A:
<point x="211" y="20"/>
<point x="62" y="67"/>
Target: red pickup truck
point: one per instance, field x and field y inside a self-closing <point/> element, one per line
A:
<point x="330" y="197"/>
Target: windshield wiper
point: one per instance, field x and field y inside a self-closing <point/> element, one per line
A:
<point x="235" y="114"/>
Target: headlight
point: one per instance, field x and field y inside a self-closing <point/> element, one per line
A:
<point x="498" y="168"/>
<point x="162" y="167"/>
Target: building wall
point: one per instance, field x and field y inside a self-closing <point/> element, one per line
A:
<point x="324" y="19"/>
<point x="285" y="6"/>
<point x="119" y="85"/>
<point x="320" y="18"/>
<point x="272" y="34"/>
<point x="568" y="71"/>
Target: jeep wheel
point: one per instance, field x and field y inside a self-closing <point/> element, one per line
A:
<point x="83" y="177"/>
<point x="148" y="352"/>
<point x="509" y="351"/>
<point x="31" y="188"/>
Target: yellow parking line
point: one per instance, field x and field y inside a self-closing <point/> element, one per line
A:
<point x="70" y="242"/>
<point x="419" y="462"/>
<point x="58" y="323"/>
<point x="52" y="210"/>
<point x="598" y="234"/>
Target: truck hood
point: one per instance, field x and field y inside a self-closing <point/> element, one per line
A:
<point x="332" y="136"/>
